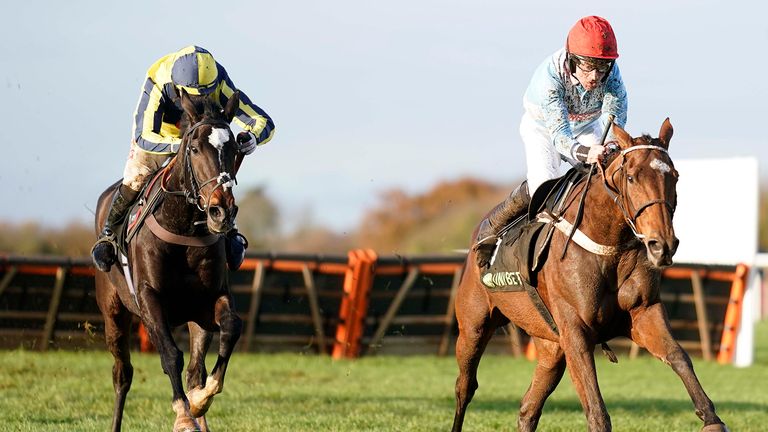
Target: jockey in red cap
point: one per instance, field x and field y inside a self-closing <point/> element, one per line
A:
<point x="567" y="105"/>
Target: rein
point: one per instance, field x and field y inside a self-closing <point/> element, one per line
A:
<point x="194" y="194"/>
<point x="580" y="212"/>
<point x="619" y="196"/>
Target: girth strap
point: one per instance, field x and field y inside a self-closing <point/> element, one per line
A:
<point x="518" y="284"/>
<point x="533" y="294"/>
<point x="169" y="237"/>
<point x="579" y="237"/>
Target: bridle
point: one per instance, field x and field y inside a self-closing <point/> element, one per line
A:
<point x="193" y="194"/>
<point x="619" y="194"/>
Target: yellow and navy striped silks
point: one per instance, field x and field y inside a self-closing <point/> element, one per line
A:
<point x="159" y="111"/>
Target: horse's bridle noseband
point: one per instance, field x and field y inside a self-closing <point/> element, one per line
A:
<point x="224" y="179"/>
<point x="619" y="195"/>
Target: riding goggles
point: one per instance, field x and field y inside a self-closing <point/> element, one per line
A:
<point x="588" y="64"/>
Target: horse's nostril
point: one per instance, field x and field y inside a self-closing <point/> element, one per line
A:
<point x="215" y="213"/>
<point x="655" y="246"/>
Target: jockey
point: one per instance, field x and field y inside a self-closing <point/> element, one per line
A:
<point x="156" y="136"/>
<point x="567" y="105"/>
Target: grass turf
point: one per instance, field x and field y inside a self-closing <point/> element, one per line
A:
<point x="72" y="391"/>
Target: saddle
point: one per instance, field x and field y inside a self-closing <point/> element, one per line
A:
<point x="524" y="245"/>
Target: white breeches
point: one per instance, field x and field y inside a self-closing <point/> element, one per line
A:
<point x="543" y="161"/>
<point x="141" y="165"/>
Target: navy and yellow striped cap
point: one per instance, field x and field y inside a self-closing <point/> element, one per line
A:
<point x="195" y="70"/>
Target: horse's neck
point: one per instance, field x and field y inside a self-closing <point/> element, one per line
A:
<point x="174" y="212"/>
<point x="602" y="221"/>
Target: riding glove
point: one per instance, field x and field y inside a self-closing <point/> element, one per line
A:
<point x="246" y="142"/>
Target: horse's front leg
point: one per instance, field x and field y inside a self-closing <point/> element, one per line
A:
<point x="171" y="357"/>
<point x="579" y="346"/>
<point x="230" y="326"/>
<point x="650" y="330"/>
<point x="199" y="343"/>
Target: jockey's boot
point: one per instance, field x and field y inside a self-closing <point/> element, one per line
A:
<point x="104" y="252"/>
<point x="499" y="217"/>
<point x="236" y="244"/>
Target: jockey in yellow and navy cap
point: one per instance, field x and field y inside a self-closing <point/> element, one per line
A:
<point x="193" y="69"/>
<point x="156" y="136"/>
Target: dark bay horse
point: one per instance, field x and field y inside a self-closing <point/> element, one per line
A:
<point x="181" y="279"/>
<point x="592" y="297"/>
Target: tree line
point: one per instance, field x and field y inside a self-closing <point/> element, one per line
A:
<point x="438" y="220"/>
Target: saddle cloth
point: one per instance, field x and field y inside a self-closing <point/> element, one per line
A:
<point x="511" y="266"/>
<point x="523" y="247"/>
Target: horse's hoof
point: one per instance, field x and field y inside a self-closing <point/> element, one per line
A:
<point x="186" y="425"/>
<point x="715" y="428"/>
<point x="199" y="401"/>
<point x="187" y="429"/>
<point x="203" y="424"/>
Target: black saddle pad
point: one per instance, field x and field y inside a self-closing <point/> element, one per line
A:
<point x="515" y="265"/>
<point x="523" y="247"/>
<point x="511" y="268"/>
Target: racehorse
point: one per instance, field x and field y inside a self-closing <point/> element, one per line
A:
<point x="181" y="277"/>
<point x="592" y="297"/>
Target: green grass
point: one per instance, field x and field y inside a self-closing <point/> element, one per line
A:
<point x="72" y="391"/>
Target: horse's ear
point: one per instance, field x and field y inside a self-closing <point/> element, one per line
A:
<point x="625" y="141"/>
<point x="665" y="134"/>
<point x="189" y="106"/>
<point x="232" y="104"/>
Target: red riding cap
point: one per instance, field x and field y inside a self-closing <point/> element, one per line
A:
<point x="592" y="36"/>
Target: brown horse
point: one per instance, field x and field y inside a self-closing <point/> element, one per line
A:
<point x="182" y="278"/>
<point x="592" y="297"/>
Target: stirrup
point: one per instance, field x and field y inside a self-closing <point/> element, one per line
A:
<point x="484" y="255"/>
<point x="489" y="240"/>
<point x="107" y="236"/>
<point x="103" y="258"/>
<point x="484" y="249"/>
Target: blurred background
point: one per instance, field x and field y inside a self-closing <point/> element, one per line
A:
<point x="396" y="122"/>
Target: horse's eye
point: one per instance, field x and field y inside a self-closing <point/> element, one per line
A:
<point x="630" y="179"/>
<point x="194" y="149"/>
